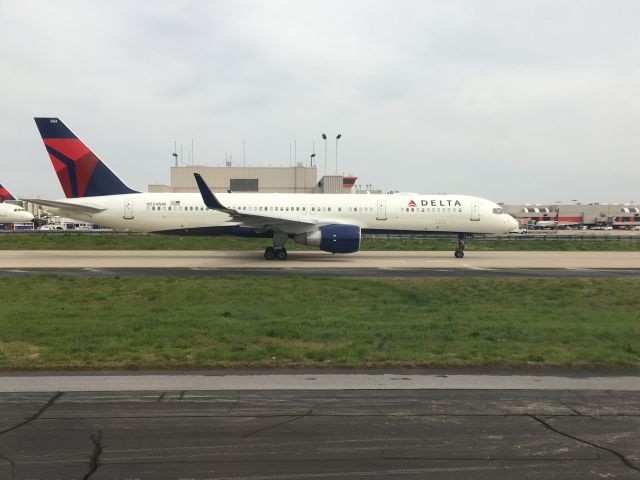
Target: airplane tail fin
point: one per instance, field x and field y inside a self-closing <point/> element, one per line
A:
<point x="5" y="195"/>
<point x="80" y="171"/>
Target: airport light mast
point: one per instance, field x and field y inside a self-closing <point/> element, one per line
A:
<point x="337" y="138"/>
<point x="324" y="137"/>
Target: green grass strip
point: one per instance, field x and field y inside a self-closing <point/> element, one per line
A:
<point x="255" y="321"/>
<point x="88" y="241"/>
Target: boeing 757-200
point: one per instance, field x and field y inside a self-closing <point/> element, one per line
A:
<point x="332" y="222"/>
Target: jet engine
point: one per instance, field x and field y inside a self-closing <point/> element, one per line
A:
<point x="332" y="238"/>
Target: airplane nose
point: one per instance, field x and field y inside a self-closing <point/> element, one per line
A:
<point x="513" y="223"/>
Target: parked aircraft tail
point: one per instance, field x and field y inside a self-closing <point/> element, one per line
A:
<point x="80" y="171"/>
<point x="5" y="195"/>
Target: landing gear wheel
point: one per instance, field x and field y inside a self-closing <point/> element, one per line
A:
<point x="269" y="253"/>
<point x="459" y="253"/>
<point x="281" y="254"/>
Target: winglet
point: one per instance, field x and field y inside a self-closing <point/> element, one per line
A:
<point x="208" y="197"/>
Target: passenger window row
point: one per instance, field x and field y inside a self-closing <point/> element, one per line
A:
<point x="431" y="210"/>
<point x="260" y="209"/>
<point x="176" y="208"/>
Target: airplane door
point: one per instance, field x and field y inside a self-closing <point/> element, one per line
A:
<point x="128" y="209"/>
<point x="475" y="211"/>
<point x="382" y="210"/>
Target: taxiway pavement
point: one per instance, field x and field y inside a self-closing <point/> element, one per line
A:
<point x="13" y="262"/>
<point x="447" y="425"/>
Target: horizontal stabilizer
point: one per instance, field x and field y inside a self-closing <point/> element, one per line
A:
<point x="67" y="206"/>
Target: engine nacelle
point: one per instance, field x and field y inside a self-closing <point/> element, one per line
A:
<point x="333" y="238"/>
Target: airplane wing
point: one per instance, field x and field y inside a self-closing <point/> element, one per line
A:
<point x="67" y="206"/>
<point x="254" y="220"/>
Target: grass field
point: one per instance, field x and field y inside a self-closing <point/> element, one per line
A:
<point x="75" y="241"/>
<point x="160" y="322"/>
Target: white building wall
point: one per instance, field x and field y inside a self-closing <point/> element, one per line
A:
<point x="299" y="179"/>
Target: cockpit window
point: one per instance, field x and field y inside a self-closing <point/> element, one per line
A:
<point x="498" y="211"/>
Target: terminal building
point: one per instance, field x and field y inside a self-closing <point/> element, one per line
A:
<point x="298" y="179"/>
<point x="576" y="215"/>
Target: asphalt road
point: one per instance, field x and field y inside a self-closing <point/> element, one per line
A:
<point x="389" y="264"/>
<point x="477" y="432"/>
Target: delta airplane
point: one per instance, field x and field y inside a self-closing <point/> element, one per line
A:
<point x="332" y="222"/>
<point x="10" y="213"/>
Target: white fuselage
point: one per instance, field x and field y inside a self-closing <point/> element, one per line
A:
<point x="10" y="213"/>
<point x="175" y="212"/>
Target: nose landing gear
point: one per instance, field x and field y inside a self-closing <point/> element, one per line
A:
<point x="459" y="253"/>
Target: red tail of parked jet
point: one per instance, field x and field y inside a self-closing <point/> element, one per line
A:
<point x="5" y="195"/>
<point x="80" y="171"/>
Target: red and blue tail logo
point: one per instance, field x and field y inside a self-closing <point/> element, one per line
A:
<point x="5" y="195"/>
<point x="80" y="171"/>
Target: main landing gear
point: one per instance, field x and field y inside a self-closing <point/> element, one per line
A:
<point x="277" y="252"/>
<point x="272" y="253"/>
<point x="459" y="253"/>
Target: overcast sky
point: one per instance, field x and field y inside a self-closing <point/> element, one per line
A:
<point x="516" y="101"/>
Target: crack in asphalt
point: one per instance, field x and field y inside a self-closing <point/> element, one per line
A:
<point x="279" y="424"/>
<point x="586" y="442"/>
<point x="10" y="462"/>
<point x="578" y="413"/>
<point x="94" y="461"/>
<point x="33" y="417"/>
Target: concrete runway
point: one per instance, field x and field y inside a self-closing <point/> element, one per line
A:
<point x="481" y="425"/>
<point x="13" y="262"/>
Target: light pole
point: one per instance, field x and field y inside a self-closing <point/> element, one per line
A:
<point x="312" y="155"/>
<point x="337" y="138"/>
<point x="175" y="152"/>
<point x="324" y="137"/>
